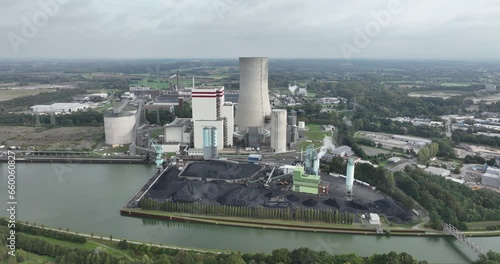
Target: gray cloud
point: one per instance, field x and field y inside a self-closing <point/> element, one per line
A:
<point x="459" y="29"/>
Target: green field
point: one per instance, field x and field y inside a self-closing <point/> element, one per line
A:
<point x="455" y="84"/>
<point x="11" y="94"/>
<point x="314" y="133"/>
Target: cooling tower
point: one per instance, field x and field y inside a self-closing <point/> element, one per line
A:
<point x="349" y="176"/>
<point x="278" y="130"/>
<point x="253" y="102"/>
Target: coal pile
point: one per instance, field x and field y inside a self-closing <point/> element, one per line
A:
<point x="195" y="191"/>
<point x="239" y="197"/>
<point x="221" y="170"/>
<point x="269" y="195"/>
<point x="292" y="198"/>
<point x="310" y="202"/>
<point x="331" y="202"/>
<point x="356" y="205"/>
<point x="383" y="204"/>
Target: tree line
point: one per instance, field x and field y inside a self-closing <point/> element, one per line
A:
<point x="307" y="215"/>
<point x="20" y="227"/>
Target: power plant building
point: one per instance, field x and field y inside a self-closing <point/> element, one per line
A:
<point x="278" y="130"/>
<point x="211" y="111"/>
<point x="253" y="103"/>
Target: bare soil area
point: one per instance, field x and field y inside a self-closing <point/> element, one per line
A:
<point x="63" y="138"/>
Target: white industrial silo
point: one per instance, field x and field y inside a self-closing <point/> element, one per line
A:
<point x="278" y="130"/>
<point x="119" y="128"/>
<point x="253" y="102"/>
<point x="349" y="182"/>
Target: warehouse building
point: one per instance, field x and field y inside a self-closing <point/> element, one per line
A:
<point x="491" y="177"/>
<point x="59" y="108"/>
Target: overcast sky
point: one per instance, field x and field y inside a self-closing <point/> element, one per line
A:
<point x="426" y="29"/>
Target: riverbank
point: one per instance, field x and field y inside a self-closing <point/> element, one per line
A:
<point x="24" y="159"/>
<point x="276" y="224"/>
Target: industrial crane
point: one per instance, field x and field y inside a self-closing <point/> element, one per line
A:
<point x="157" y="149"/>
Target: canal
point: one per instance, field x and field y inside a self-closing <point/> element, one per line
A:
<point x="87" y="198"/>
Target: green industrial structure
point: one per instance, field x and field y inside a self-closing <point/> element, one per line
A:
<point x="305" y="183"/>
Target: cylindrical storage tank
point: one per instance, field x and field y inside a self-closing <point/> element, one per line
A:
<point x="291" y="120"/>
<point x="295" y="134"/>
<point x="349" y="175"/>
<point x="253" y="102"/>
<point x="278" y="130"/>
<point x="215" y="153"/>
<point x="302" y="124"/>
<point x="119" y="129"/>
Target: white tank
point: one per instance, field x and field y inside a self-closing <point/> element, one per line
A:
<point x="119" y="129"/>
<point x="302" y="124"/>
<point x="278" y="130"/>
<point x="253" y="102"/>
<point x="349" y="182"/>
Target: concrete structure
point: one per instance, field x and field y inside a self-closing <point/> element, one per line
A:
<point x="119" y="128"/>
<point x="253" y="103"/>
<point x="302" y="125"/>
<point x="59" y="108"/>
<point x="179" y="131"/>
<point x="278" y="130"/>
<point x="211" y="110"/>
<point x="491" y="177"/>
<point x="438" y="171"/>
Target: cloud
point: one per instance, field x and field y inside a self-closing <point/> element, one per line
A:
<point x="459" y="29"/>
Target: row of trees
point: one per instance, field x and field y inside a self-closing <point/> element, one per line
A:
<point x="448" y="201"/>
<point x="307" y="215"/>
<point x="45" y="232"/>
<point x="428" y="152"/>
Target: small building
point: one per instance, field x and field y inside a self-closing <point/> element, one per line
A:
<point x="374" y="219"/>
<point x="179" y="131"/>
<point x="394" y="160"/>
<point x="342" y="151"/>
<point x="438" y="171"/>
<point x="491" y="177"/>
<point x="59" y="108"/>
<point x="305" y="183"/>
<point x="171" y="147"/>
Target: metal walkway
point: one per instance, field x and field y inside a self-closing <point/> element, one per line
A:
<point x="451" y="230"/>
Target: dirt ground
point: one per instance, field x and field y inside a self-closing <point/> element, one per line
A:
<point x="170" y="187"/>
<point x="64" y="138"/>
